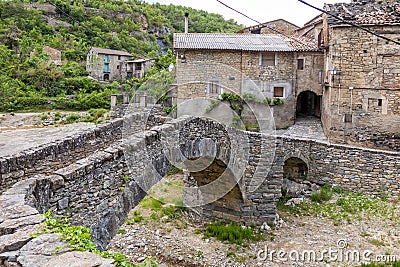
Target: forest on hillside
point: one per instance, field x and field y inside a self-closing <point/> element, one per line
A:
<point x="29" y="80"/>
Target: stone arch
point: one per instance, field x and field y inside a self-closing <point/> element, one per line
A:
<point x="295" y="177"/>
<point x="106" y="77"/>
<point x="308" y="104"/>
<point x="230" y="202"/>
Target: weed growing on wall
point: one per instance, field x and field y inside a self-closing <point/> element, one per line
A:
<point x="78" y="238"/>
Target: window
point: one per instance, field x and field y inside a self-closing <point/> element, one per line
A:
<point x="213" y="88"/>
<point x="119" y="57"/>
<point x="278" y="91"/>
<point x="379" y="102"/>
<point x="106" y="67"/>
<point x="106" y="59"/>
<point x="268" y="59"/>
<point x="300" y="64"/>
<point x="138" y="66"/>
<point x="117" y="67"/>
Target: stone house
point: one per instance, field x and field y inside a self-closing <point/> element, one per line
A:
<point x="53" y="53"/>
<point x="107" y="64"/>
<point x="137" y="67"/>
<point x="288" y="68"/>
<point x="361" y="98"/>
<point x="272" y="27"/>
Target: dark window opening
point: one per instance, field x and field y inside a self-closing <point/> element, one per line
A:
<point x="348" y="118"/>
<point x="119" y="57"/>
<point x="258" y="31"/>
<point x="379" y="102"/>
<point x="214" y="88"/>
<point x="278" y="91"/>
<point x="138" y="66"/>
<point x="300" y="64"/>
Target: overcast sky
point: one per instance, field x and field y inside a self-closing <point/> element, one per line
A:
<point x="260" y="10"/>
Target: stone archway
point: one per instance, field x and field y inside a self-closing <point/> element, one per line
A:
<point x="295" y="172"/>
<point x="229" y="205"/>
<point x="308" y="104"/>
<point x="106" y="77"/>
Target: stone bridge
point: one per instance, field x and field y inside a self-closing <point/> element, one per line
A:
<point x="98" y="176"/>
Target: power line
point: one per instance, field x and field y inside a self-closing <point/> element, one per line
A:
<point x="266" y="26"/>
<point x="350" y="23"/>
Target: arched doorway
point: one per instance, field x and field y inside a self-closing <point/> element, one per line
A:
<point x="106" y="77"/>
<point x="295" y="181"/>
<point x="308" y="104"/>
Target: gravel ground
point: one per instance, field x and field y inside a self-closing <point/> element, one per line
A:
<point x="177" y="241"/>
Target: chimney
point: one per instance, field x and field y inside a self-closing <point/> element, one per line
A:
<point x="186" y="22"/>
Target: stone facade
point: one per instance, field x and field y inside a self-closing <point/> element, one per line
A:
<point x="361" y="102"/>
<point x="107" y="64"/>
<point x="242" y="72"/>
<point x="272" y="27"/>
<point x="54" y="54"/>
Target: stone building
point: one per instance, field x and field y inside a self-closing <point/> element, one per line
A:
<point x="361" y="98"/>
<point x="279" y="26"/>
<point x="137" y="67"/>
<point x="107" y="64"/>
<point x="54" y="54"/>
<point x="288" y="68"/>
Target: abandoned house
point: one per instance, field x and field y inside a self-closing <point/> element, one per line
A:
<point x="329" y="69"/>
<point x="137" y="67"/>
<point x="54" y="54"/>
<point x="107" y="64"/>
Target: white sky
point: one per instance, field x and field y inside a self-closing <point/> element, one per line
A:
<point x="261" y="10"/>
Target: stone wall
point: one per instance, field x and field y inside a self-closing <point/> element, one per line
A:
<point x="240" y="72"/>
<point x="367" y="88"/>
<point x="50" y="157"/>
<point x="20" y="219"/>
<point x="272" y="27"/>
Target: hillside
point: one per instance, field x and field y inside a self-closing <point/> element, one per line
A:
<point x="27" y="79"/>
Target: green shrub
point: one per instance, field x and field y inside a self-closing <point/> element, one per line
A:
<point x="249" y="97"/>
<point x="78" y="238"/>
<point x="324" y="194"/>
<point x="278" y="101"/>
<point x="231" y="233"/>
<point x="267" y="100"/>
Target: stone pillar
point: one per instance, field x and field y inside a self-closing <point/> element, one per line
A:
<point x="126" y="98"/>
<point x="113" y="100"/>
<point x="143" y="99"/>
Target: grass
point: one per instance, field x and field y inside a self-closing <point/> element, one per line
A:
<point x="174" y="170"/>
<point x="231" y="233"/>
<point x="347" y="207"/>
<point x="325" y="194"/>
